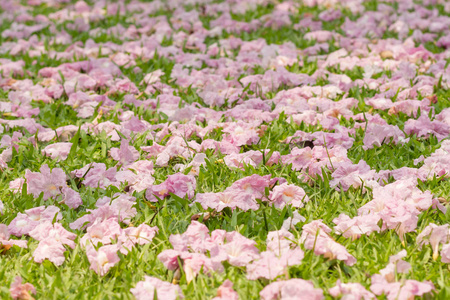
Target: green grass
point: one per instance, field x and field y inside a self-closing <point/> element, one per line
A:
<point x="74" y="280"/>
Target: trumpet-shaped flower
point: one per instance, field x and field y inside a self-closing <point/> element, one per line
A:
<point x="151" y="287"/>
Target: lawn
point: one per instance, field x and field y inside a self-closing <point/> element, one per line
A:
<point x="209" y="149"/>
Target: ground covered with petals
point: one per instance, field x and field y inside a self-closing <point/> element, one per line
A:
<point x="203" y="149"/>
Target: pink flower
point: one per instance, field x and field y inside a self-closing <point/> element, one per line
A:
<point x="226" y="292"/>
<point x="56" y="232"/>
<point x="57" y="151"/>
<point x="445" y="253"/>
<point x="138" y="175"/>
<point x="126" y="154"/>
<point x="299" y="158"/>
<point x="254" y="185"/>
<point x="154" y="192"/>
<point x="51" y="239"/>
<point x="103" y="259"/>
<point x="179" y="184"/>
<point x="348" y="291"/>
<point x="315" y="236"/>
<point x="150" y="286"/>
<point x="102" y="231"/>
<point x="434" y="235"/>
<point x="229" y="198"/>
<point x="396" y="265"/>
<point x="239" y="250"/>
<point x="51" y="250"/>
<point x="121" y="208"/>
<point x="350" y="175"/>
<point x="196" y="238"/>
<point x="191" y="247"/>
<point x="176" y="146"/>
<point x="280" y="242"/>
<point x="16" y="185"/>
<point x="271" y="265"/>
<point x="399" y="290"/>
<point x="251" y="158"/>
<point x="48" y="182"/>
<point x="267" y="266"/>
<point x="141" y="235"/>
<point x="21" y="291"/>
<point x="290" y="222"/>
<point x="5" y="242"/>
<point x="241" y="133"/>
<point x="398" y="204"/>
<point x="169" y="258"/>
<point x="193" y="263"/>
<point x="71" y="197"/>
<point x="423" y="127"/>
<point x="24" y="223"/>
<point x="377" y="134"/>
<point x="96" y="175"/>
<point x="182" y="185"/>
<point x="197" y="161"/>
<point x="355" y="227"/>
<point x="399" y="216"/>
<point x="286" y="194"/>
<point x="291" y="289"/>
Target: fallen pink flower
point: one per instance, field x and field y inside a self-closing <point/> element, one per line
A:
<point x="119" y="207"/>
<point x="21" y="291"/>
<point x="399" y="290"/>
<point x="25" y="223"/>
<point x="178" y="184"/>
<point x="355" y="227"/>
<point x="291" y="289"/>
<point x="51" y="250"/>
<point x="151" y="286"/>
<point x="103" y="259"/>
<point x="226" y="292"/>
<point x="239" y="250"/>
<point x="126" y="154"/>
<point x="55" y="232"/>
<point x="290" y="222"/>
<point x="229" y="198"/>
<point x="349" y="291"/>
<point x="57" y="151"/>
<point x="434" y="235"/>
<point x="6" y="243"/>
<point x="315" y="236"/>
<point x="141" y="235"/>
<point x="445" y="253"/>
<point x="395" y="265"/>
<point x="104" y="232"/>
<point x="288" y="194"/>
<point x="351" y="175"/>
<point x="48" y="182"/>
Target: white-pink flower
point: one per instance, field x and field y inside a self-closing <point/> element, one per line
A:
<point x="315" y="236"/>
<point x="291" y="289"/>
<point x="152" y="286"/>
<point x="141" y="235"/>
<point x="434" y="235"/>
<point x="288" y="194"/>
<point x="21" y="291"/>
<point x="350" y="291"/>
<point x="6" y="243"/>
<point x="226" y="292"/>
<point x="57" y="151"/>
<point x="103" y="259"/>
